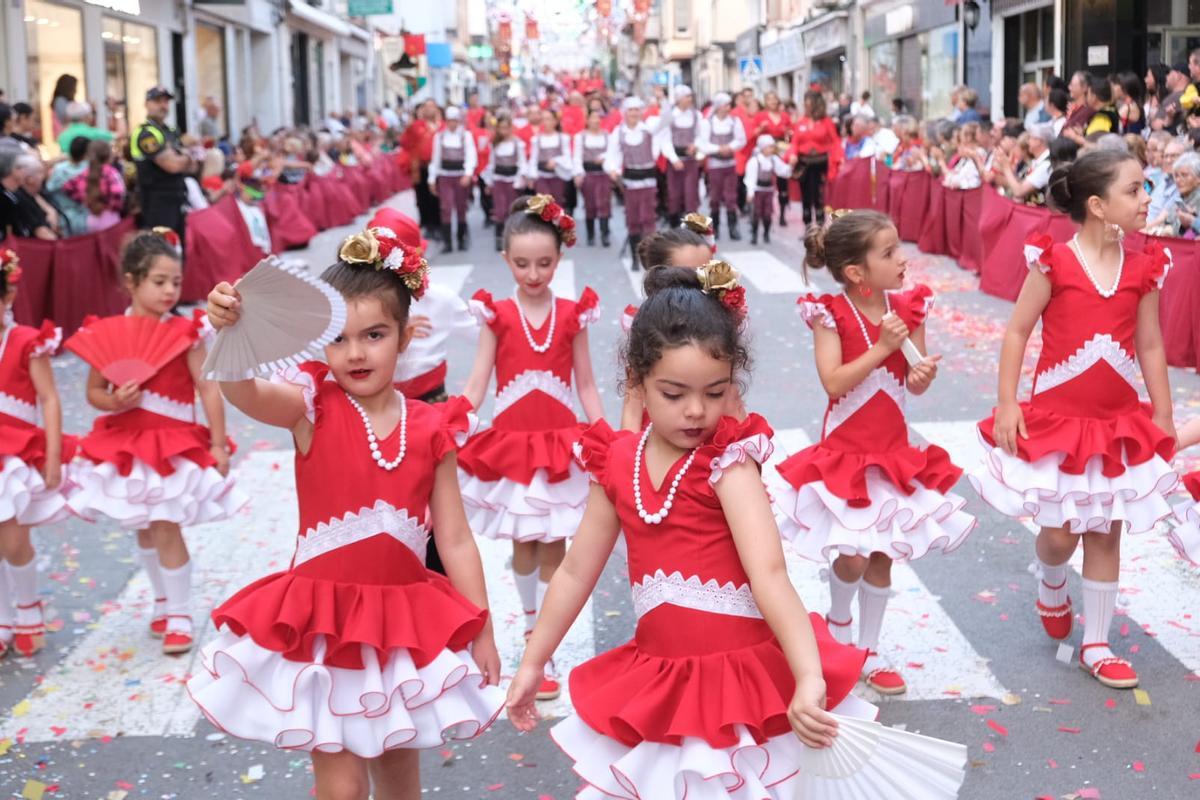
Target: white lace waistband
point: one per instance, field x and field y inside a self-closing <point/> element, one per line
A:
<point x="655" y="590"/>
<point x="532" y="380"/>
<point x="18" y="409"/>
<point x="166" y="407"/>
<point x="383" y="517"/>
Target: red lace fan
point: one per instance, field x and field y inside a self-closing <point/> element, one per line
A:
<point x="128" y="349"/>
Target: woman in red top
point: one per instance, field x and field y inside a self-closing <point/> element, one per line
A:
<point x="817" y="147"/>
<point x="748" y="113"/>
<point x="776" y="123"/>
<point x="417" y="139"/>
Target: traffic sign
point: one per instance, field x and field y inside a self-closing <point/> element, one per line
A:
<point x="751" y="68"/>
<point x="662" y="77"/>
<point x="366" y="8"/>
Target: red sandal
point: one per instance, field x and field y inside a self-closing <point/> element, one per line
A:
<point x="158" y="624"/>
<point x="29" y="639"/>
<point x="1057" y="620"/>
<point x="831" y="624"/>
<point x="1113" y="672"/>
<point x="886" y="679"/>
<point x="176" y="642"/>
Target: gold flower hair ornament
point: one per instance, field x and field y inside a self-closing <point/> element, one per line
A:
<point x="698" y="223"/>
<point x="10" y="265"/>
<point x="832" y="214"/>
<point x="380" y="248"/>
<point x="543" y="205"/>
<point x="720" y="280"/>
<point x="171" y="237"/>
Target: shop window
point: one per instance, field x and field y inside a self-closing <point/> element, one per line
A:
<point x="939" y="66"/>
<point x="211" y="79"/>
<point x="130" y="68"/>
<point x="54" y="42"/>
<point x="683" y="16"/>
<point x="1037" y="45"/>
<point x="885" y="75"/>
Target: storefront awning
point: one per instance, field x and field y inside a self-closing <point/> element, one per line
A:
<point x="318" y="18"/>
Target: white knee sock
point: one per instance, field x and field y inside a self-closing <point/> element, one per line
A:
<point x="148" y="556"/>
<point x="872" y="602"/>
<point x="1052" y="587"/>
<point x="1099" y="603"/>
<point x="6" y="605"/>
<point x="542" y="586"/>
<point x="177" y="584"/>
<point x="24" y="589"/>
<point x="527" y="589"/>
<point x="841" y="595"/>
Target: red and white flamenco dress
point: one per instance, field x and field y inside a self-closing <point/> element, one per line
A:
<point x="1185" y="536"/>
<point x="23" y="494"/>
<point x="357" y="646"/>
<point x="1093" y="456"/>
<point x="696" y="704"/>
<point x="519" y="478"/>
<point x="864" y="488"/>
<point x="153" y="463"/>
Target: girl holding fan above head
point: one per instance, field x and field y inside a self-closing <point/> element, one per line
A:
<point x="148" y="464"/>
<point x="33" y="486"/>
<point x="1083" y="455"/>
<point x="519" y="479"/>
<point x="357" y="653"/>
<point x="726" y="682"/>
<point x="863" y="496"/>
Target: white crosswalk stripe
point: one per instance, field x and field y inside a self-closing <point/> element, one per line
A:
<point x="450" y="276"/>
<point x="766" y="272"/>
<point x="563" y="284"/>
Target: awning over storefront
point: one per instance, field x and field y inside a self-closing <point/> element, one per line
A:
<point x="319" y="19"/>
<point x="826" y="34"/>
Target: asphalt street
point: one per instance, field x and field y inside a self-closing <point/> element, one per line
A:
<point x="101" y="714"/>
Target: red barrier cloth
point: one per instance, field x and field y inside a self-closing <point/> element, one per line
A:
<point x="881" y="187"/>
<point x="314" y="203"/>
<point x="340" y="204"/>
<point x="933" y="227"/>
<point x="911" y="213"/>
<point x="1179" y="304"/>
<point x="37" y="268"/>
<point x="897" y="187"/>
<point x="952" y="212"/>
<point x="219" y="248"/>
<point x="85" y="276"/>
<point x="852" y="188"/>
<point x="970" y="257"/>
<point x="289" y="225"/>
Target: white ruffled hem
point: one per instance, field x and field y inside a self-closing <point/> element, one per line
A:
<point x="1185" y="536"/>
<point x="813" y="312"/>
<point x="904" y="527"/>
<point x="47" y="347"/>
<point x="255" y="693"/>
<point x="694" y="769"/>
<point x="538" y="512"/>
<point x="191" y="495"/>
<point x="757" y="447"/>
<point x="1089" y="502"/>
<point x="480" y="311"/>
<point x="294" y="376"/>
<point x="25" y="498"/>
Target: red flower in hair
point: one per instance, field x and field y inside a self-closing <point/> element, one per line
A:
<point x="9" y="263"/>
<point x="566" y="224"/>
<point x="735" y="300"/>
<point x="171" y="237"/>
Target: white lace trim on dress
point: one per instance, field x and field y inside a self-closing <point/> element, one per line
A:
<point x="879" y="381"/>
<point x="532" y="380"/>
<point x="1100" y="347"/>
<point x="812" y="311"/>
<point x="166" y="407"/>
<point x="655" y="590"/>
<point x="383" y="517"/>
<point x="47" y="347"/>
<point x="1033" y="255"/>
<point x="18" y="409"/>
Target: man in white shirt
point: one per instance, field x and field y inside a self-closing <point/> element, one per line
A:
<point x="1038" y="176"/>
<point x="1030" y="98"/>
<point x="450" y="175"/>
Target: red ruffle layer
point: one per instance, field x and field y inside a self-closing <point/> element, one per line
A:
<point x="516" y="455"/>
<point x="287" y="611"/>
<point x="1191" y="481"/>
<point x="1128" y="439"/>
<point x="845" y="473"/>
<point x="29" y="444"/>
<point x="120" y="445"/>
<point x="631" y="696"/>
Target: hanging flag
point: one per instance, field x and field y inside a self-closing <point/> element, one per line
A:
<point x="414" y="44"/>
<point x="531" y="28"/>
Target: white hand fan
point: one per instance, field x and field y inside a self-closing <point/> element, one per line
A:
<point x="287" y="317"/>
<point x="911" y="354"/>
<point x="869" y="761"/>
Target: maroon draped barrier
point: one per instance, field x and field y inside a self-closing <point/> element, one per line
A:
<point x="1003" y="228"/>
<point x="970" y="256"/>
<point x="933" y="228"/>
<point x="33" y="292"/>
<point x="219" y="248"/>
<point x="314" y="203"/>
<point x="897" y="188"/>
<point x="357" y="187"/>
<point x="881" y="186"/>
<point x="852" y="187"/>
<point x="380" y="185"/>
<point x="912" y="211"/>
<point x="952" y="212"/>
<point x="1179" y="304"/>
<point x="289" y="225"/>
<point x="85" y="277"/>
<point x="338" y="202"/>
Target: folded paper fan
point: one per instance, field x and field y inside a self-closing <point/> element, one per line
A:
<point x="126" y="349"/>
<point x="287" y="317"/>
<point x="869" y="761"/>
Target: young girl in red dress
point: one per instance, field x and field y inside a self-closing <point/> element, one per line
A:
<point x="727" y="677"/>
<point x="357" y="653"/>
<point x="1083" y="456"/>
<point x="147" y="463"/>
<point x="1185" y="536"/>
<point x="864" y="496"/>
<point x="519" y="480"/>
<point x="32" y="458"/>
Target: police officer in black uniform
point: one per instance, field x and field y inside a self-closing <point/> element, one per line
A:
<point x="161" y="165"/>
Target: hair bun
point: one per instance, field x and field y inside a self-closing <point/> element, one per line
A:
<point x="662" y="277"/>
<point x="1058" y="189"/>
<point x="814" y="247"/>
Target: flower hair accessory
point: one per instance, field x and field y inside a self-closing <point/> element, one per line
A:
<point x="171" y="237"/>
<point x="834" y="214"/>
<point x="10" y="265"/>
<point x="698" y="223"/>
<point x="720" y="280"/>
<point x="381" y="248"/>
<point x="543" y="205"/>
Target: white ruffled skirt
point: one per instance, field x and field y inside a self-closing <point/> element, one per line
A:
<point x="1185" y="536"/>
<point x="254" y="693"/>
<point x="538" y="512"/>
<point x="904" y="527"/>
<point x="1089" y="502"/>
<point x="25" y="498"/>
<point x="693" y="770"/>
<point x="191" y="495"/>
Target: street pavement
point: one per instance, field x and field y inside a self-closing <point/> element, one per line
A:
<point x="100" y="713"/>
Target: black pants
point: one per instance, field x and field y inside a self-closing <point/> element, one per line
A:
<point x="428" y="208"/>
<point x="570" y="198"/>
<point x="812" y="192"/>
<point x="784" y="193"/>
<point x="160" y="209"/>
<point x="742" y="195"/>
<point x="485" y="199"/>
<point x="433" y="561"/>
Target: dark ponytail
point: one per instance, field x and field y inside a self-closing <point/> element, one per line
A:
<point x="1090" y="175"/>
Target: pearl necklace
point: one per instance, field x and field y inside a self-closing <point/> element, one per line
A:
<point x="373" y="441"/>
<point x="1105" y="293"/>
<point x="661" y="514"/>
<point x="538" y="348"/>
<point x="862" y="325"/>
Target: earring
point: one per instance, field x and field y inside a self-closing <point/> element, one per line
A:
<point x="864" y="290"/>
<point x="1113" y="233"/>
